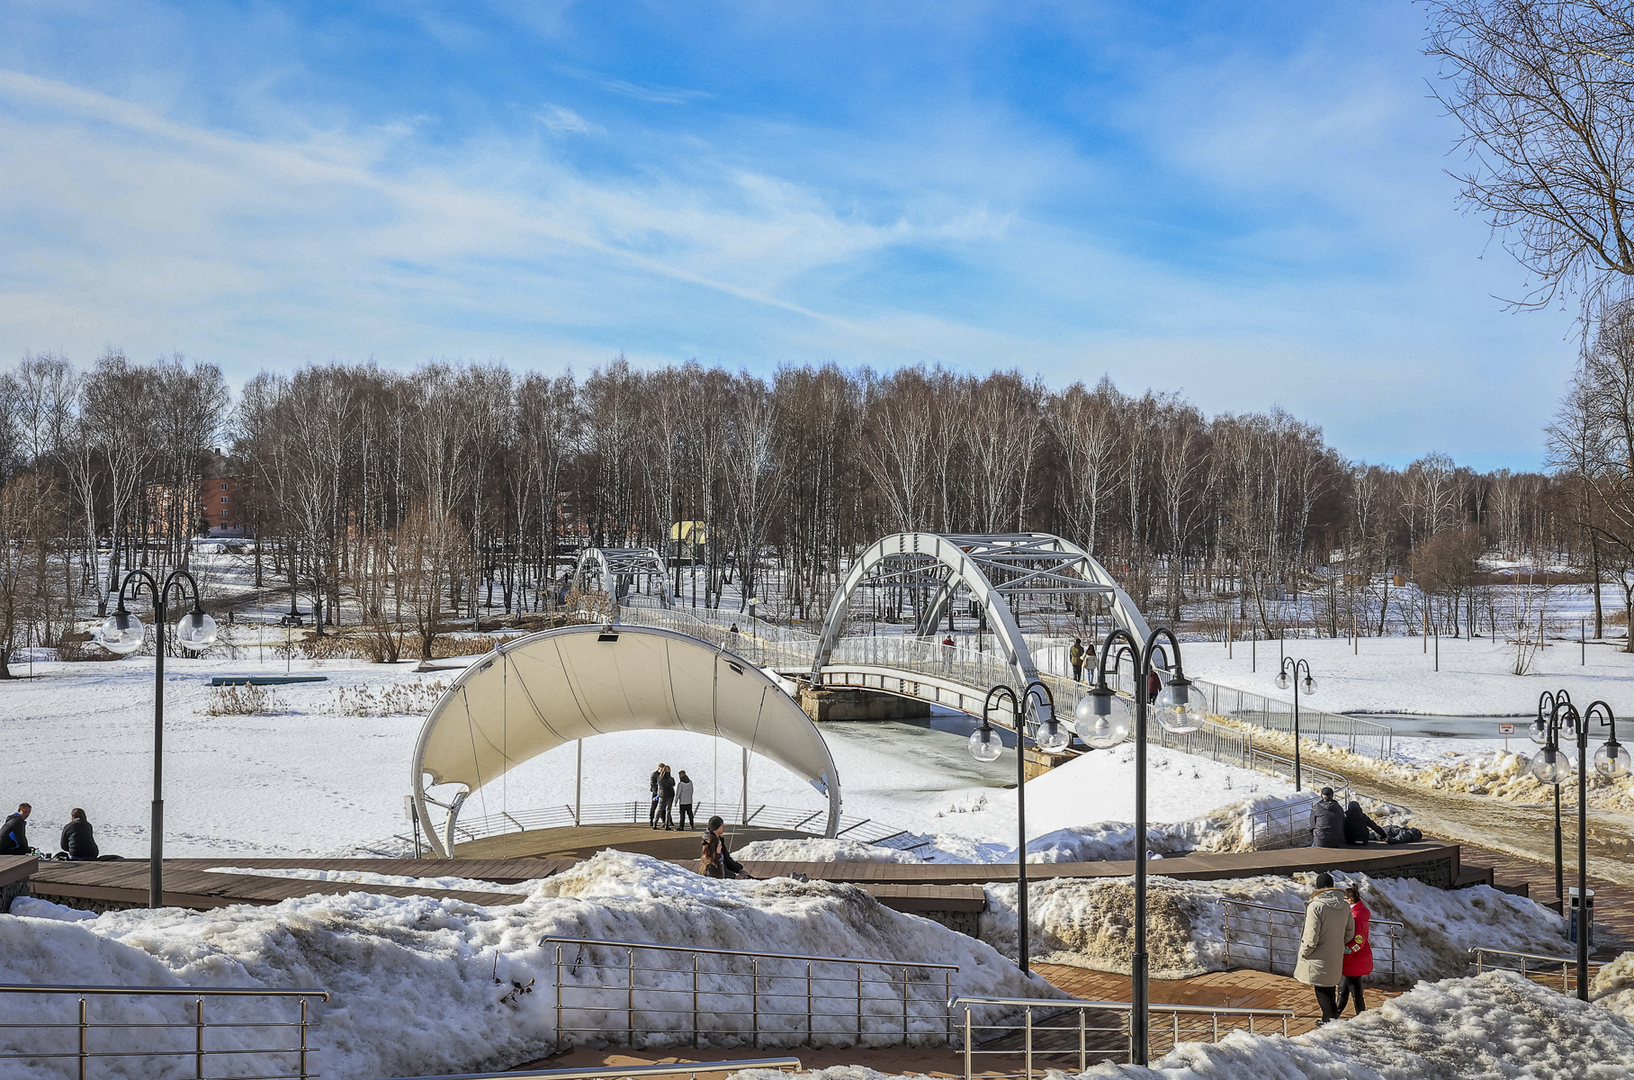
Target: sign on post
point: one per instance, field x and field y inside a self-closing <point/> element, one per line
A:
<point x="1506" y="730"/>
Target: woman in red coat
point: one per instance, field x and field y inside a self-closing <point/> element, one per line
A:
<point x="1358" y="952"/>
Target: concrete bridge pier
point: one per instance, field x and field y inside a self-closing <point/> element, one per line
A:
<point x="850" y="704"/>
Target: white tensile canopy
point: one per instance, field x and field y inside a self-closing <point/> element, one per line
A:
<point x="551" y="688"/>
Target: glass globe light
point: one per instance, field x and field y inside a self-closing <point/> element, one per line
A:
<point x="196" y="631"/>
<point x="1611" y="760"/>
<point x="1174" y="708"/>
<point x="1550" y="766"/>
<point x="121" y="633"/>
<point x="1538" y="732"/>
<point x="1098" y="730"/>
<point x="1282" y="680"/>
<point x="1309" y="685"/>
<point x="985" y="744"/>
<point x="1052" y="736"/>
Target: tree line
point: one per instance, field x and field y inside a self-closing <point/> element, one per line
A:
<point x="456" y="490"/>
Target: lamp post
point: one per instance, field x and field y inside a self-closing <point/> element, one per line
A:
<point x="754" y="625"/>
<point x="1283" y="679"/>
<point x="122" y="633"/>
<point x="1550" y="766"/>
<point x="1099" y="727"/>
<point x="1050" y="736"/>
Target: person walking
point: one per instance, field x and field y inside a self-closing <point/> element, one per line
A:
<point x="1359" y="828"/>
<point x="1077" y="658"/>
<point x="666" y="798"/>
<point x="653" y="785"/>
<point x="14" y="832"/>
<point x="77" y="840"/>
<point x="947" y="653"/>
<point x="1327" y="821"/>
<point x="683" y="796"/>
<point x="1358" y="952"/>
<point x="1328" y="926"/>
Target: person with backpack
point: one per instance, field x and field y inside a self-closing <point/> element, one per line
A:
<point x="683" y="796"/>
<point x="77" y="840"/>
<point x="1358" y="953"/>
<point x="1077" y="658"/>
<point x="666" y="798"/>
<point x="1328" y="927"/>
<point x="14" y="832"/>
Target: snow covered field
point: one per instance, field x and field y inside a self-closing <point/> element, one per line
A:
<point x="308" y="779"/>
<point x="1394" y="675"/>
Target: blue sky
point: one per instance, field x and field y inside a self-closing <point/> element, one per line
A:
<point x="1242" y="202"/>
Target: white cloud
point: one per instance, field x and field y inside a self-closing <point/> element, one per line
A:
<point x="566" y="121"/>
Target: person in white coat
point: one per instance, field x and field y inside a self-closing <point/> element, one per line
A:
<point x="683" y="796"/>
<point x="1328" y="927"/>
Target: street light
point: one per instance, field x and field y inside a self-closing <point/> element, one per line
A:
<point x="121" y="633"/>
<point x="1101" y="725"/>
<point x="1049" y="735"/>
<point x="754" y="626"/>
<point x="1283" y="680"/>
<point x="1550" y="766"/>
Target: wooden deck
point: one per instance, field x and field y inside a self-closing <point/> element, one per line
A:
<point x="582" y="841"/>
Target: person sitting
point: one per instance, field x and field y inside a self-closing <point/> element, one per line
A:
<point x="14" y="832"/>
<point x="716" y="861"/>
<point x="1359" y="828"/>
<point x="77" y="840"/>
<point x="1327" y="821"/>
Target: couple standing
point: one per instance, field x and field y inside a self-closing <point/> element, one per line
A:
<point x="1334" y="952"/>
<point x="666" y="792"/>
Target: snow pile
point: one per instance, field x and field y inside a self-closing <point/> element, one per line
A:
<point x="819" y="850"/>
<point x="428" y="986"/>
<point x="364" y="877"/>
<point x="1088" y="922"/>
<point x="1613" y="987"/>
<point x="1461" y="1029"/>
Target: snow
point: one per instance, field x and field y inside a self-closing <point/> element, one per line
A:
<point x="1395" y="675"/>
<point x="365" y="877"/>
<point x="1496" y="1025"/>
<point x="820" y="850"/>
<point x="1085" y="922"/>
<point x="413" y="978"/>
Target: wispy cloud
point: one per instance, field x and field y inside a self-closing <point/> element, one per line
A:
<point x="566" y="121"/>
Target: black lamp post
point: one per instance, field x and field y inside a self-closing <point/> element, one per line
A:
<point x="1098" y="727"/>
<point x="1550" y="766"/>
<point x="122" y="633"/>
<point x="1290" y="674"/>
<point x="1049" y="735"/>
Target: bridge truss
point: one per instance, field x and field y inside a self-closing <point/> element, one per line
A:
<point x="615" y="569"/>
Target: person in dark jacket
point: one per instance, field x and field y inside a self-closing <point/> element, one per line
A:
<point x="1359" y="828"/>
<point x="666" y="798"/>
<point x="14" y="832"/>
<point x="77" y="839"/>
<point x="652" y="784"/>
<point x="1076" y="655"/>
<point x="717" y="859"/>
<point x="1327" y="821"/>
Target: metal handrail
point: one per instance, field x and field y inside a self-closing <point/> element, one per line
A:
<point x="635" y="812"/>
<point x="198" y="1025"/>
<point x="760" y="997"/>
<point x="744" y="952"/>
<point x="616" y="1072"/>
<point x="1056" y="1006"/>
<point x="1390" y="966"/>
<point x="1568" y="965"/>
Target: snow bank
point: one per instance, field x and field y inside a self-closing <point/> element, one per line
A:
<point x="364" y="877"/>
<point x="820" y="850"/>
<point x="414" y="979"/>
<point x="1089" y="922"/>
<point x="1614" y="986"/>
<point x="1461" y="1029"/>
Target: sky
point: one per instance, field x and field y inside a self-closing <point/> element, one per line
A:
<point x="1244" y="203"/>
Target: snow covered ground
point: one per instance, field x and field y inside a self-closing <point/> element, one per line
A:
<point x="414" y="980"/>
<point x="1394" y="675"/>
<point x="309" y="779"/>
<point x="1497" y="1025"/>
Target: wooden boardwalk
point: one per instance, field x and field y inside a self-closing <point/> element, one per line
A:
<point x="582" y="841"/>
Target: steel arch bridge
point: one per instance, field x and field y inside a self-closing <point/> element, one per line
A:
<point x="611" y="566"/>
<point x="992" y="568"/>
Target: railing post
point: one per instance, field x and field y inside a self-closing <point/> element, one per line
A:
<point x="1083" y="1056"/>
<point x="904" y="1006"/>
<point x="629" y="1007"/>
<point x="1176" y="1017"/>
<point x="859" y="1004"/>
<point x="83" y="1026"/>
<point x="947" y="996"/>
<point x="967" y="1039"/>
<point x="198" y="1041"/>
<point x="754" y="988"/>
<point x="695" y="1032"/>
<point x="811" y="1030"/>
<point x="1216" y="1017"/>
<point x="304" y="1023"/>
<point x="558" y="999"/>
<point x="1029" y="1043"/>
